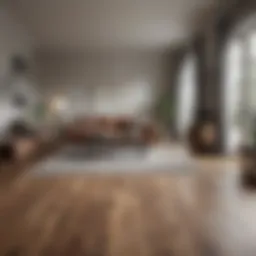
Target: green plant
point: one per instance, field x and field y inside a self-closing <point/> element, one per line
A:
<point x="165" y="109"/>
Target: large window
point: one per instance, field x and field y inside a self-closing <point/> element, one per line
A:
<point x="232" y="94"/>
<point x="252" y="69"/>
<point x="240" y="88"/>
<point x="186" y="95"/>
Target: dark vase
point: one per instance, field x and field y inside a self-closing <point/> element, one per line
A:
<point x="248" y="162"/>
<point x="20" y="129"/>
<point x="202" y="136"/>
<point x="19" y="64"/>
<point x="19" y="101"/>
<point x="248" y="166"/>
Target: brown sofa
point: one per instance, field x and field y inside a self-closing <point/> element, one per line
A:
<point x="112" y="128"/>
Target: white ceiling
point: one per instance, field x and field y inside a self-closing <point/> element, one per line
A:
<point x="94" y="24"/>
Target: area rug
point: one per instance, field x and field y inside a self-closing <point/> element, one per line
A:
<point x="77" y="160"/>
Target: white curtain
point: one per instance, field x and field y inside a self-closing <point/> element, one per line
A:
<point x="232" y="94"/>
<point x="186" y="95"/>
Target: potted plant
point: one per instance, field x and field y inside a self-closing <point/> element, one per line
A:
<point x="165" y="110"/>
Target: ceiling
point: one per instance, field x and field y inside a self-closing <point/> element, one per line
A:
<point x="104" y="24"/>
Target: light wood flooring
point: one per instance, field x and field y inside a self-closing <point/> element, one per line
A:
<point x="156" y="214"/>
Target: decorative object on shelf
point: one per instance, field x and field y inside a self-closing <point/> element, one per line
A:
<point x="16" y="84"/>
<point x="23" y="93"/>
<point x="21" y="129"/>
<point x="19" y="65"/>
<point x="19" y="100"/>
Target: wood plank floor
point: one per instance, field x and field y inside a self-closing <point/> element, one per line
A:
<point x="97" y="216"/>
<point x="157" y="214"/>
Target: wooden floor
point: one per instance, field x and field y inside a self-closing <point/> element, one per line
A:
<point x="146" y="215"/>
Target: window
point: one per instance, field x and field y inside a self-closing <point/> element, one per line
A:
<point x="186" y="95"/>
<point x="232" y="94"/>
<point x="240" y="88"/>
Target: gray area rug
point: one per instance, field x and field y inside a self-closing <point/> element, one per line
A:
<point x="128" y="159"/>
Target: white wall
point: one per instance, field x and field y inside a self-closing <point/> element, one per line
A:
<point x="13" y="40"/>
<point x="104" y="83"/>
